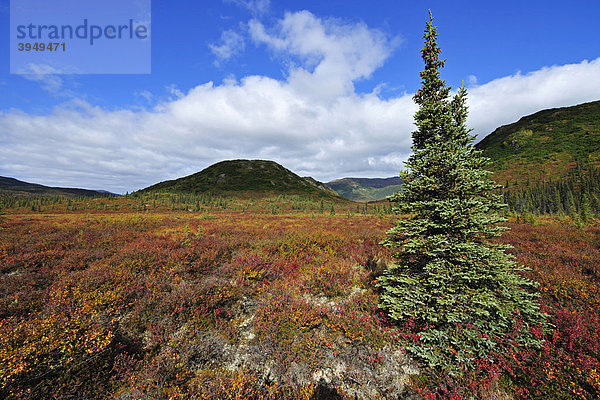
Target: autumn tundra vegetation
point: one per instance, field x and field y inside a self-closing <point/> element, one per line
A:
<point x="293" y="294"/>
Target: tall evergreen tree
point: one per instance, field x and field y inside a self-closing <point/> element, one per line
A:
<point x="462" y="293"/>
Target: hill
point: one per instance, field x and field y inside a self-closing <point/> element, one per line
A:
<point x="13" y="186"/>
<point x="366" y="189"/>
<point x="546" y="144"/>
<point x="244" y="177"/>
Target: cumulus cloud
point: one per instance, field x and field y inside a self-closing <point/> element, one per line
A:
<point x="507" y="99"/>
<point x="331" y="54"/>
<point x="312" y="122"/>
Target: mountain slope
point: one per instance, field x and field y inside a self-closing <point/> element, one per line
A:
<point x="545" y="144"/>
<point x="244" y="177"/>
<point x="15" y="186"/>
<point x="366" y="189"/>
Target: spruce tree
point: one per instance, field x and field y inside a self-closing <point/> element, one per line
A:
<point x="462" y="293"/>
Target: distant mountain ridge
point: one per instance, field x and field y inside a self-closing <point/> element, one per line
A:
<point x="366" y="189"/>
<point x="244" y="177"/>
<point x="15" y="186"/>
<point x="544" y="145"/>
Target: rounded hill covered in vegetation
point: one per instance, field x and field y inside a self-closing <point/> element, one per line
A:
<point x="244" y="177"/>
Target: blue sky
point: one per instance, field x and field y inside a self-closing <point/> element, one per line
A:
<point x="324" y="88"/>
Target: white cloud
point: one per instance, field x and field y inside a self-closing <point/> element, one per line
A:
<point x="45" y="75"/>
<point x="312" y="122"/>
<point x="331" y="54"/>
<point x="255" y="7"/>
<point x="146" y="95"/>
<point x="507" y="99"/>
<point x="472" y="80"/>
<point x="232" y="43"/>
<point x="174" y="91"/>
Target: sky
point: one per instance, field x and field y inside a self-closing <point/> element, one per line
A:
<point x="323" y="88"/>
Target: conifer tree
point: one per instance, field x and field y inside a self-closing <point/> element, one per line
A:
<point x="461" y="293"/>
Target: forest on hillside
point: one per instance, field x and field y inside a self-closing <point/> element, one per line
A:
<point x="577" y="195"/>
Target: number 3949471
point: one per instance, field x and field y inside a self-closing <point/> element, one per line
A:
<point x="51" y="46"/>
